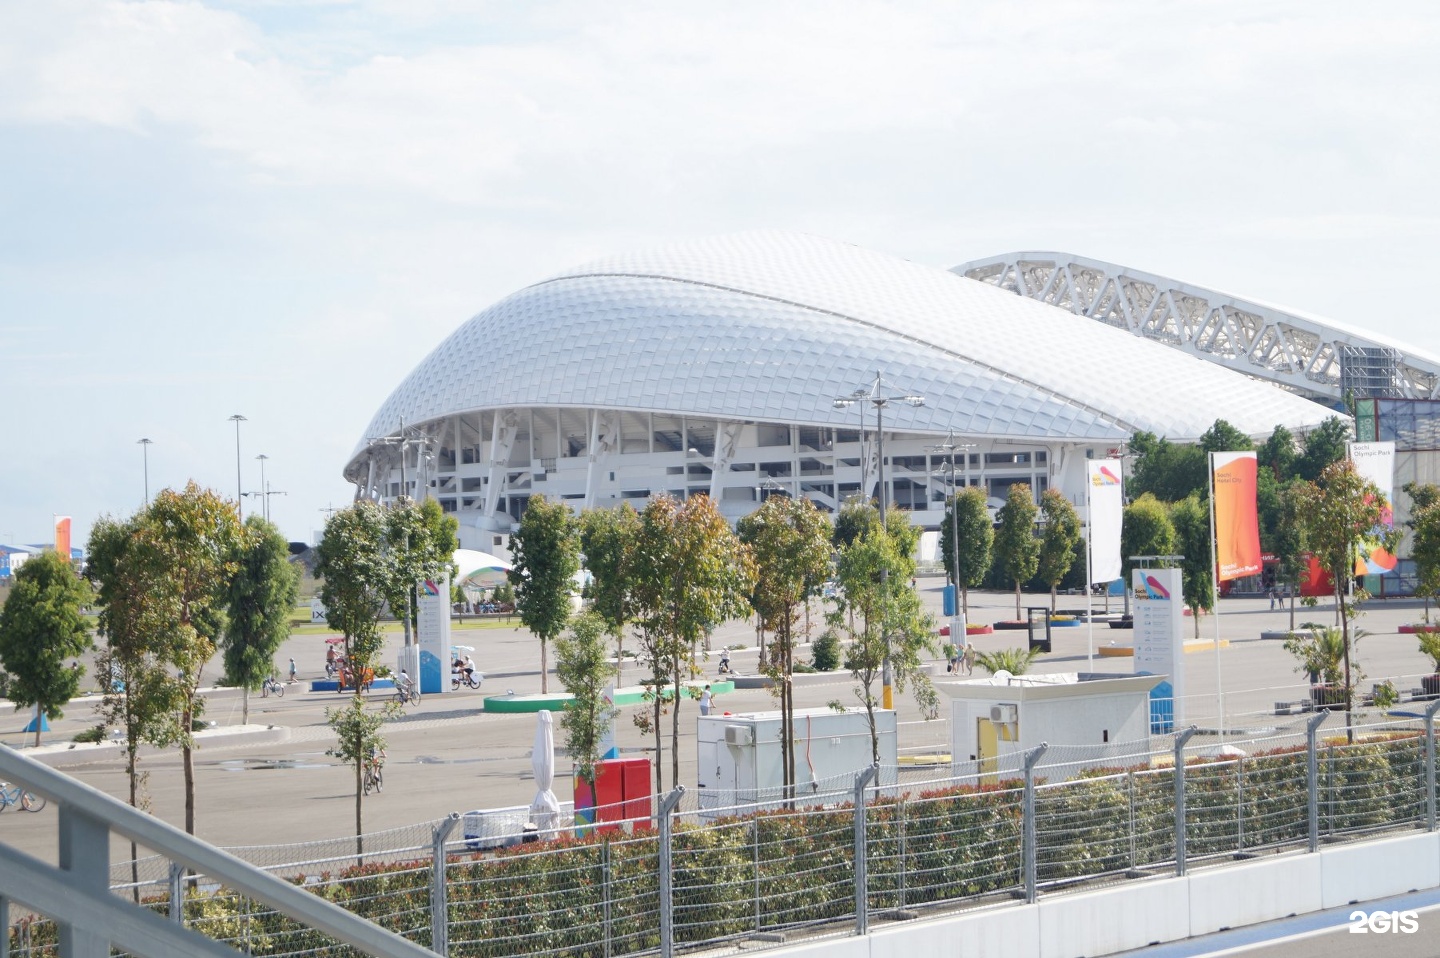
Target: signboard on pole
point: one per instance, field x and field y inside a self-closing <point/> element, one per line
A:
<point x="1159" y="629"/>
<point x="62" y="535"/>
<point x="1107" y="513"/>
<point x="1237" y="523"/>
<point x="432" y="627"/>
<point x="1375" y="462"/>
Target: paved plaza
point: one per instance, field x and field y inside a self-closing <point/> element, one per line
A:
<point x="448" y="755"/>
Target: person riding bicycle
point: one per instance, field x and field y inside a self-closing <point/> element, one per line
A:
<point x="725" y="662"/>
<point x="469" y="669"/>
<point x="403" y="683"/>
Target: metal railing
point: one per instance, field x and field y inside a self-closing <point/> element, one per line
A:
<point x="838" y="861"/>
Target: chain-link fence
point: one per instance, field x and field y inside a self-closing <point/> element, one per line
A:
<point x="695" y="876"/>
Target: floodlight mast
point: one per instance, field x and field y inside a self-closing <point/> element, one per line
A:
<point x="950" y="446"/>
<point x="876" y="396"/>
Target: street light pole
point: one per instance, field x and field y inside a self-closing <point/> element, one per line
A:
<point x="237" y="419"/>
<point x="264" y="489"/>
<point x="957" y="620"/>
<point x="877" y="397"/>
<point x="145" y="455"/>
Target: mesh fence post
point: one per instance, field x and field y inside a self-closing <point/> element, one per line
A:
<point x="1430" y="711"/>
<point x="605" y="892"/>
<point x="1180" y="850"/>
<point x="1312" y="777"/>
<point x="667" y="872"/>
<point x="862" y="891"/>
<point x="1029" y="853"/>
<point x="4" y="927"/>
<point x="439" y="901"/>
<point x="755" y="832"/>
<point x="177" y="893"/>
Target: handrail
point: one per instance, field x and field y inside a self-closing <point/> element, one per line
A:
<point x="234" y="873"/>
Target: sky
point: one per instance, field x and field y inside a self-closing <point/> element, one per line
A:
<point x="277" y="208"/>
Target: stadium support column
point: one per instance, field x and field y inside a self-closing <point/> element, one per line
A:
<point x="727" y="438"/>
<point x="502" y="439"/>
<point x="592" y="452"/>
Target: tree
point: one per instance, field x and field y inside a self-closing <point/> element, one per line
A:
<point x="790" y="542"/>
<point x="854" y="518"/>
<point x="1424" y="524"/>
<point x="40" y="627"/>
<point x="261" y="596"/>
<point x="1145" y="530"/>
<point x="977" y="540"/>
<point x="357" y="739"/>
<point x="582" y="664"/>
<point x="1340" y="515"/>
<point x="545" y="555"/>
<point x="1191" y="520"/>
<point x="608" y="539"/>
<point x="1287" y="544"/>
<point x="1223" y="437"/>
<point x="690" y="574"/>
<point x="1325" y="445"/>
<point x="1169" y="471"/>
<point x="351" y="562"/>
<point x="1278" y="454"/>
<point x="419" y="544"/>
<point x="141" y="695"/>
<point x="1060" y="535"/>
<point x="1016" y="547"/>
<point x="189" y="540"/>
<point x="1014" y="661"/>
<point x="882" y="617"/>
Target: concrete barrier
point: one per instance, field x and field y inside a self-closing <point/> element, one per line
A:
<point x="1129" y="916"/>
<point x="1231" y="896"/>
<point x="1009" y="930"/>
<point x="1378" y="869"/>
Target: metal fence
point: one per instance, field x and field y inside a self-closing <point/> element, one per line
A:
<point x="694" y="878"/>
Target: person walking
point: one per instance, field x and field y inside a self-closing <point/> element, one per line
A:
<point x="969" y="658"/>
<point x="706" y="700"/>
<point x="292" y="668"/>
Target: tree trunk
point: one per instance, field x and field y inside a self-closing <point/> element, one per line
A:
<point x="38" y="714"/>
<point x="359" y="796"/>
<point x="659" y="767"/>
<point x="1052" y="600"/>
<point x="544" y="668"/>
<point x="245" y="705"/>
<point x="187" y="753"/>
<point x="675" y="729"/>
<point x="134" y="803"/>
<point x="965" y="601"/>
<point x="1017" y="600"/>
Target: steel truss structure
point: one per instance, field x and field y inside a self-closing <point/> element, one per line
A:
<point x="1317" y="358"/>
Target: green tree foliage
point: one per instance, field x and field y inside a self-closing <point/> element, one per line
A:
<point x="1191" y="519"/>
<point x="608" y="539"/>
<point x="1169" y="471"/>
<point x="357" y="738"/>
<point x="690" y="574"/>
<point x="1060" y="535"/>
<point x="977" y="541"/>
<point x="1324" y="446"/>
<point x="419" y="545"/>
<point x="352" y="564"/>
<point x="545" y="555"/>
<point x="1424" y="526"/>
<point x="880" y="613"/>
<point x="260" y="598"/>
<point x="1014" y="661"/>
<point x="1223" y="437"/>
<point x="1340" y="515"/>
<point x="1278" y="454"/>
<point x="790" y="542"/>
<point x="1287" y="543"/>
<point x="854" y="518"/>
<point x="1145" y="530"/>
<point x="1016" y="548"/>
<point x="40" y="627"/>
<point x="582" y="664"/>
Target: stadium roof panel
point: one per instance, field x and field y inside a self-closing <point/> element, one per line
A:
<point x="771" y="326"/>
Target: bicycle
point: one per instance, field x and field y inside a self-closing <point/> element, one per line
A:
<point x="460" y="678"/>
<point x="272" y="684"/>
<point x="407" y="692"/>
<point x="374" y="776"/>
<point x="18" y="796"/>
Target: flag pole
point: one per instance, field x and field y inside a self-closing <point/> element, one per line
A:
<point x="1089" y="586"/>
<point x="1215" y="598"/>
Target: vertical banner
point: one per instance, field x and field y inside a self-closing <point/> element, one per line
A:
<point x="1237" y="524"/>
<point x="432" y="627"/>
<point x="1159" y="634"/>
<point x="1107" y="512"/>
<point x="62" y="535"/>
<point x="1375" y="462"/>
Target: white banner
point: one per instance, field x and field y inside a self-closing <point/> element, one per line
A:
<point x="1107" y="511"/>
<point x="1375" y="461"/>
<point x="432" y="625"/>
<point x="1159" y="629"/>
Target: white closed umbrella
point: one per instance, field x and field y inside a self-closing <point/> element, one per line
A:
<point x="545" y="809"/>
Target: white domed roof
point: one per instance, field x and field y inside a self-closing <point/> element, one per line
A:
<point x="771" y="326"/>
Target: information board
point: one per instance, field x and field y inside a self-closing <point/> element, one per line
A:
<point x="1159" y="629"/>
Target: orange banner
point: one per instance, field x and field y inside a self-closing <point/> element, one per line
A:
<point x="62" y="535"/>
<point x="1237" y="524"/>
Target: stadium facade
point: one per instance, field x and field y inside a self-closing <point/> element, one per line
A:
<point x="714" y="367"/>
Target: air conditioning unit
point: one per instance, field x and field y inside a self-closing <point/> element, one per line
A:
<point x="1004" y="714"/>
<point x="739" y="735"/>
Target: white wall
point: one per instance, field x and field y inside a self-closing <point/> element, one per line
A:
<point x="1135" y="914"/>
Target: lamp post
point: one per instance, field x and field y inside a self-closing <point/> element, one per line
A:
<point x="264" y="489"/>
<point x="237" y="419"/>
<point x="877" y="397"/>
<point x="949" y="446"/>
<point x="145" y="456"/>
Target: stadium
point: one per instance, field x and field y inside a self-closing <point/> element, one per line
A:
<point x="751" y="364"/>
